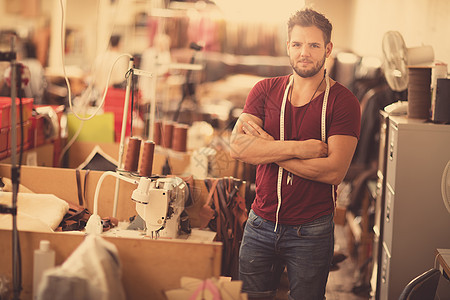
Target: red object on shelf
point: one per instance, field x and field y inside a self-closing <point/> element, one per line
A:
<point x="5" y="115"/>
<point x="114" y="102"/>
<point x="5" y="110"/>
<point x="37" y="136"/>
<point x="33" y="128"/>
<point x="3" y="139"/>
<point x="26" y="130"/>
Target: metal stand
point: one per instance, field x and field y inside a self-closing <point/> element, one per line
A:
<point x="188" y="87"/>
<point x="122" y="134"/>
<point x="15" y="173"/>
<point x="124" y="125"/>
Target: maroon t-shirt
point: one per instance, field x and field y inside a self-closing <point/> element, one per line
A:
<point x="304" y="200"/>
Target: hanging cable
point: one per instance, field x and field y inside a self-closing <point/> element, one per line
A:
<point x="63" y="17"/>
<point x="89" y="88"/>
<point x="67" y="79"/>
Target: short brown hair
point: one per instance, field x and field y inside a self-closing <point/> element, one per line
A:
<point x="308" y="17"/>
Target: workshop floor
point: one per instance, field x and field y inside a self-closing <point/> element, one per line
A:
<point x="342" y="282"/>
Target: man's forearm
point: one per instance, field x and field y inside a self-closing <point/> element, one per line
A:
<point x="330" y="169"/>
<point x="255" y="150"/>
<point x="317" y="169"/>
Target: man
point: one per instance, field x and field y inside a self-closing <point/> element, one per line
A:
<point x="303" y="150"/>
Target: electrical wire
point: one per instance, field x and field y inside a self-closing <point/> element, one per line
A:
<point x="70" y="143"/>
<point x="89" y="89"/>
<point x="63" y="12"/>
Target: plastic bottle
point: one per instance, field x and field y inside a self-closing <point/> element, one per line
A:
<point x="44" y="258"/>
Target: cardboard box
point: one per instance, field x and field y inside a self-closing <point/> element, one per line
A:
<point x="149" y="267"/>
<point x="37" y="156"/>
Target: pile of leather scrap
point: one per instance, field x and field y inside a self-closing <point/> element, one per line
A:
<point x="222" y="288"/>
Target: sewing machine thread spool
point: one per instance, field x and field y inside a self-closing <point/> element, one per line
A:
<point x="132" y="157"/>
<point x="147" y="159"/>
<point x="166" y="138"/>
<point x="179" y="139"/>
<point x="419" y="92"/>
<point x="157" y="128"/>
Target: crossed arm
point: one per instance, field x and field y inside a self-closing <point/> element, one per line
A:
<point x="310" y="159"/>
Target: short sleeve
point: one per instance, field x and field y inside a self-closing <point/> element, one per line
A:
<point x="346" y="118"/>
<point x="256" y="99"/>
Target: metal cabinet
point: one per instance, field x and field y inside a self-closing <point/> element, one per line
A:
<point x="379" y="208"/>
<point x="413" y="220"/>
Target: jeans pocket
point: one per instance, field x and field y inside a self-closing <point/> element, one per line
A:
<point x="317" y="229"/>
<point x="254" y="220"/>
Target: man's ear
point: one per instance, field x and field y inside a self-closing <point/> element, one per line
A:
<point x="329" y="48"/>
<point x="287" y="48"/>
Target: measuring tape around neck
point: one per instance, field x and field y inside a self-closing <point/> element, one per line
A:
<point x="323" y="135"/>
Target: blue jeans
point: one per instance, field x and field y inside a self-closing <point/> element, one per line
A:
<point x="305" y="251"/>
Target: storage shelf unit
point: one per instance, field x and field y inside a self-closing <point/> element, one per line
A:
<point x="414" y="220"/>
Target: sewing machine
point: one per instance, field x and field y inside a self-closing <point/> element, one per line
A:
<point x="160" y="203"/>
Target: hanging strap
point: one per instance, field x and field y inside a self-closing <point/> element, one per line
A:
<point x="206" y="213"/>
<point x="212" y="190"/>
<point x="81" y="188"/>
<point x="219" y="229"/>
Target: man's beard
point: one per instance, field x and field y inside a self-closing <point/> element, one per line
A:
<point x="309" y="73"/>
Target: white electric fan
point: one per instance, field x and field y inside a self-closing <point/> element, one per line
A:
<point x="445" y="186"/>
<point x="397" y="58"/>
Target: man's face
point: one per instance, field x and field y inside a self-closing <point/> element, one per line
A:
<point x="307" y="50"/>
